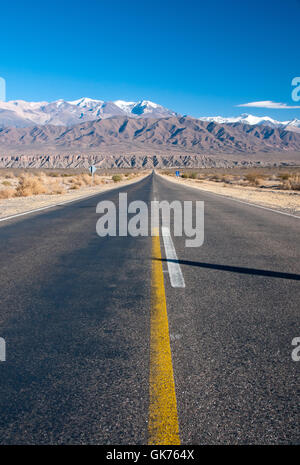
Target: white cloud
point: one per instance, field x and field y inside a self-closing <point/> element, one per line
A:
<point x="268" y="104"/>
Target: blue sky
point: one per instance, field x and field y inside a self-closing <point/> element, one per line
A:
<point x="193" y="56"/>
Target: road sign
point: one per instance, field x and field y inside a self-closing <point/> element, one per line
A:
<point x="92" y="169"/>
<point x="177" y="173"/>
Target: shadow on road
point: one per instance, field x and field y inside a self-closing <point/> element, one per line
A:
<point x="235" y="269"/>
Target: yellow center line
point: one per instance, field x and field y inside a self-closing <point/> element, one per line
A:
<point x="163" y="420"/>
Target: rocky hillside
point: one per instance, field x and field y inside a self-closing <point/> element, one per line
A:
<point x="182" y="133"/>
<point x="146" y="142"/>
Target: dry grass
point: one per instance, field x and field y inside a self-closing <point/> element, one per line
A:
<point x="284" y="176"/>
<point x="216" y="177"/>
<point x="27" y="183"/>
<point x="86" y="179"/>
<point x="292" y="183"/>
<point x="227" y="179"/>
<point x="81" y="180"/>
<point x="192" y="175"/>
<point x="269" y="194"/>
<point x="57" y="188"/>
<point x="97" y="180"/>
<point x="274" y="178"/>
<point x="7" y="193"/>
<point x="30" y="185"/>
<point x="253" y="179"/>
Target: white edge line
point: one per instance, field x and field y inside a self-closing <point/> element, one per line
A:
<point x="176" y="277"/>
<point x="237" y="200"/>
<point x="67" y="201"/>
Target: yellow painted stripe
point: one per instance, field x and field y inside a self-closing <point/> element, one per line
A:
<point x="163" y="420"/>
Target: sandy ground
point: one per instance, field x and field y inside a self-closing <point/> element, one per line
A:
<point x="17" y="205"/>
<point x="287" y="201"/>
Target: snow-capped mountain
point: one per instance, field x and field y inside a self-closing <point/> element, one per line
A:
<point x="293" y="125"/>
<point x="143" y="108"/>
<point x="19" y="113"/>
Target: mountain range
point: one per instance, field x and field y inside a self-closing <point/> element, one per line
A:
<point x="176" y="133"/>
<point x="19" y="113"/>
<point x="120" y="133"/>
<point x="291" y="125"/>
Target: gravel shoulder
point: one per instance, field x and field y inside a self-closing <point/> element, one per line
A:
<point x="286" y="201"/>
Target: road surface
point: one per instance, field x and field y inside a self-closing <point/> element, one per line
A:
<point x="76" y="317"/>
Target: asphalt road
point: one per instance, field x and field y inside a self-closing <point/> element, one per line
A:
<point x="75" y="315"/>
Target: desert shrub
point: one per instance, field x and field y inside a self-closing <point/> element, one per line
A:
<point x="216" y="177"/>
<point x="6" y="183"/>
<point x="295" y="186"/>
<point x="86" y="179"/>
<point x="30" y="185"/>
<point x="77" y="181"/>
<point x="116" y="178"/>
<point x="226" y="179"/>
<point x="189" y="175"/>
<point x="97" y="180"/>
<point x="81" y="180"/>
<point x="293" y="183"/>
<point x="252" y="179"/>
<point x="284" y="176"/>
<point x="285" y="185"/>
<point x="53" y="175"/>
<point x="57" y="188"/>
<point x="7" y="193"/>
